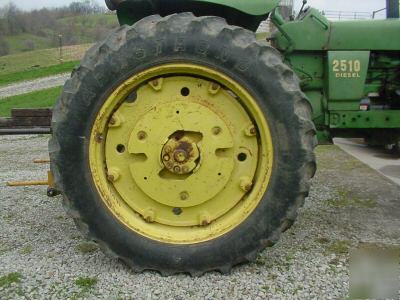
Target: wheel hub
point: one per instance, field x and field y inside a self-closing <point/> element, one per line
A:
<point x="180" y="155"/>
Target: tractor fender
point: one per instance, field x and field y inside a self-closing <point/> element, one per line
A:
<point x="247" y="14"/>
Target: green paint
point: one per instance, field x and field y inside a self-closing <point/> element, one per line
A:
<point x="254" y="7"/>
<point x="365" y="119"/>
<point x="347" y="72"/>
<point x="339" y="63"/>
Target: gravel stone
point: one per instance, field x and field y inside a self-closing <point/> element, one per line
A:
<point x="303" y="265"/>
<point x="33" y="85"/>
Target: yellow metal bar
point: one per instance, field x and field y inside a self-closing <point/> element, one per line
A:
<point x="41" y="161"/>
<point x="27" y="183"/>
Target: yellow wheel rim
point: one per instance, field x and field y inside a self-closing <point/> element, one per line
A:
<point x="180" y="153"/>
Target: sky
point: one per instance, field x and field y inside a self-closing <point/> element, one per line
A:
<point x="335" y="5"/>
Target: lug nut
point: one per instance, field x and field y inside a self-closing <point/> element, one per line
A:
<point x="149" y="215"/>
<point x="177" y="169"/>
<point x="99" y="138"/>
<point x="251" y="130"/>
<point x="112" y="175"/>
<point x="214" y="88"/>
<point x="184" y="195"/>
<point x="204" y="219"/>
<point x="166" y="157"/>
<point x="141" y="135"/>
<point x="246" y="184"/>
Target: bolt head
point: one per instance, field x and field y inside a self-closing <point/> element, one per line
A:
<point x="166" y="157"/>
<point x="177" y="169"/>
<point x="180" y="155"/>
<point x="251" y="130"/>
<point x="184" y="195"/>
<point x="141" y="135"/>
<point x="246" y="184"/>
<point x="99" y="138"/>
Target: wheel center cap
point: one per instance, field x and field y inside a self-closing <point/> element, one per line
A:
<point x="180" y="155"/>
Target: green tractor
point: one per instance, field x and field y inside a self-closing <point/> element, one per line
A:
<point x="183" y="144"/>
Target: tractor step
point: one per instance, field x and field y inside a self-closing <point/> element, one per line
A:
<point x="27" y="121"/>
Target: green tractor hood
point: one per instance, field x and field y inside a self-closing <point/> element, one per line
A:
<point x="247" y="14"/>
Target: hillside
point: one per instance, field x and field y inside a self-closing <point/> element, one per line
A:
<point x="74" y="30"/>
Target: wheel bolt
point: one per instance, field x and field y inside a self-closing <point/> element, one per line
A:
<point x="177" y="169"/>
<point x="184" y="195"/>
<point x="246" y="184"/>
<point x="149" y="215"/>
<point x="141" y="135"/>
<point x="204" y="219"/>
<point x="216" y="130"/>
<point x="99" y="138"/>
<point x="166" y="157"/>
<point x="251" y="130"/>
<point x="177" y="211"/>
<point x="113" y="121"/>
<point x="112" y="175"/>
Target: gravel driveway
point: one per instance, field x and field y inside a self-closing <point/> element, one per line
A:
<point x="33" y="85"/>
<point x="42" y="255"/>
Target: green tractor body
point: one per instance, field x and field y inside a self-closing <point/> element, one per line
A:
<point x="349" y="70"/>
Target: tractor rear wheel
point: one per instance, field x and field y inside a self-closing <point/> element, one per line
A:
<point x="181" y="144"/>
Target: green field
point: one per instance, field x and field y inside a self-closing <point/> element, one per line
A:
<point x="37" y="73"/>
<point x="40" y="99"/>
<point x="28" y="61"/>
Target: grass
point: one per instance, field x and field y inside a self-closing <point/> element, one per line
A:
<point x="37" y="73"/>
<point x="17" y="43"/>
<point x="338" y="247"/>
<point x="349" y="199"/>
<point x="85" y="282"/>
<point x="26" y="250"/>
<point x="28" y="61"/>
<point x="7" y="280"/>
<point x="39" y="99"/>
<point x="87" y="247"/>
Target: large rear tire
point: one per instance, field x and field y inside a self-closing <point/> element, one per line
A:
<point x="181" y="144"/>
